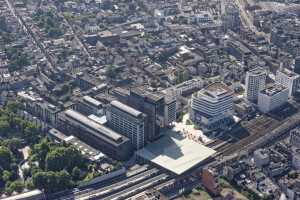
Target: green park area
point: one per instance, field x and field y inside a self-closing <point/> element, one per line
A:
<point x="28" y="159"/>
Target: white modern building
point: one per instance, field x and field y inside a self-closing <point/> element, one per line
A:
<point x="289" y="79"/>
<point x="272" y="97"/>
<point x="212" y="106"/>
<point x="127" y="121"/>
<point x="255" y="82"/>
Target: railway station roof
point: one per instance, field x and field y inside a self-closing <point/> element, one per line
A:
<point x="175" y="153"/>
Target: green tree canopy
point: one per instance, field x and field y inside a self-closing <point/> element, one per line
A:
<point x="16" y="186"/>
<point x="5" y="157"/>
<point x="4" y="127"/>
<point x="63" y="158"/>
<point x="52" y="181"/>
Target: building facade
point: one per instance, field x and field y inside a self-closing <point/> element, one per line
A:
<point x="150" y="104"/>
<point x="170" y="111"/>
<point x="255" y="82"/>
<point x="288" y="79"/>
<point x="272" y="97"/>
<point x="212" y="106"/>
<point x="88" y="106"/>
<point x="127" y="121"/>
<point x="295" y="138"/>
<point x="297" y="65"/>
<point x="106" y="140"/>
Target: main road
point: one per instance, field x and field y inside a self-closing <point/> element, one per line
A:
<point x="28" y="31"/>
<point x="247" y="19"/>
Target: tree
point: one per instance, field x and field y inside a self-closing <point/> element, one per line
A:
<point x="17" y="186"/>
<point x="5" y="157"/>
<point x="13" y="106"/>
<point x="76" y="173"/>
<point x="63" y="158"/>
<point x="12" y="144"/>
<point x="31" y="132"/>
<point x="29" y="184"/>
<point x="40" y="180"/>
<point x="26" y="173"/>
<point x="6" y="176"/>
<point x="64" y="180"/>
<point x="40" y="151"/>
<point x="4" y="127"/>
<point x="52" y="181"/>
<point x="56" y="159"/>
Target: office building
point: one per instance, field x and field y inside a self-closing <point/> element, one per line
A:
<point x="159" y="108"/>
<point x="150" y="104"/>
<point x="212" y="106"/>
<point x="170" y="110"/>
<point x="255" y="82"/>
<point x="127" y="121"/>
<point x="97" y="135"/>
<point x="297" y="65"/>
<point x="288" y="79"/>
<point x="272" y="97"/>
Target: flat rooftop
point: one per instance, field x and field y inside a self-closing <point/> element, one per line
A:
<point x="93" y="125"/>
<point x="84" y="148"/>
<point x="175" y="153"/>
<point x="257" y="71"/>
<point x="288" y="72"/>
<point x="92" y="101"/>
<point x="125" y="108"/>
<point x="144" y="93"/>
<point x="216" y="90"/>
<point x="273" y="89"/>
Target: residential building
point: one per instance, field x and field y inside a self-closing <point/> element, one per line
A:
<point x="188" y="87"/>
<point x="272" y="97"/>
<point x="255" y="82"/>
<point x="296" y="159"/>
<point x="89" y="105"/>
<point x="212" y="106"/>
<point x="295" y="138"/>
<point x="261" y="157"/>
<point x="127" y="121"/>
<point x="289" y="79"/>
<point x="210" y="181"/>
<point x="40" y="108"/>
<point x="231" y="17"/>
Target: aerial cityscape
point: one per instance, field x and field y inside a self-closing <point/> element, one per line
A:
<point x="149" y="99"/>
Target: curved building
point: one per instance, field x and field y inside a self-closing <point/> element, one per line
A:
<point x="212" y="106"/>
